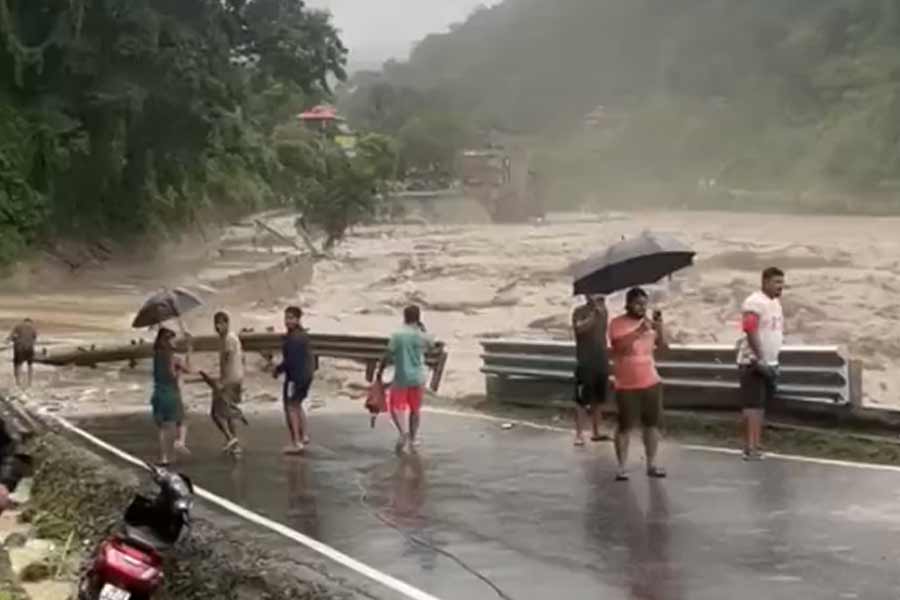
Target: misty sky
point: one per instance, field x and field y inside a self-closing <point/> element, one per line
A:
<point x="376" y="30"/>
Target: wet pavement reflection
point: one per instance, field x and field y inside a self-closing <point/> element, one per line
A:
<point x="480" y="509"/>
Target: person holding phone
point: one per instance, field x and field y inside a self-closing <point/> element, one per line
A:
<point x="634" y="340"/>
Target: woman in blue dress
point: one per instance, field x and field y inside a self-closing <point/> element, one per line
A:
<point x="167" y="404"/>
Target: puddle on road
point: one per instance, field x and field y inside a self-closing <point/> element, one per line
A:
<point x="467" y="494"/>
<point x="401" y="515"/>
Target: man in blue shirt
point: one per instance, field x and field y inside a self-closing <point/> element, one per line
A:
<point x="406" y="351"/>
<point x="298" y="366"/>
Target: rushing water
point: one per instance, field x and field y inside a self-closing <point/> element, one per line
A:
<point x="492" y="280"/>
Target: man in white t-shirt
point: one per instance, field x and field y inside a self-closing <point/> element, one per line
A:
<point x="758" y="350"/>
<point x="227" y="389"/>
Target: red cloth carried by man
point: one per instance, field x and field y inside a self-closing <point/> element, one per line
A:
<point x="376" y="400"/>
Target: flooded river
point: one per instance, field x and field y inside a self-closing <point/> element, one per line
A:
<point x="494" y="280"/>
<point x="490" y="280"/>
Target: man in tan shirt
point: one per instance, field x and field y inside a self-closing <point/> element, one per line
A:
<point x="23" y="337"/>
<point x="227" y="390"/>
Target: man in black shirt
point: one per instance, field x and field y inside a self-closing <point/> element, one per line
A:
<point x="589" y="323"/>
<point x="298" y="366"/>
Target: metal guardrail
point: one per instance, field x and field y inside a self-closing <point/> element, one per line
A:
<point x="367" y="350"/>
<point x="820" y="374"/>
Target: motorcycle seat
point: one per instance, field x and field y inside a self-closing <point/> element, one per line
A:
<point x="145" y="538"/>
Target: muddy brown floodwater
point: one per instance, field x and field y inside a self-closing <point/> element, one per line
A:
<point x="241" y="269"/>
<point x="493" y="280"/>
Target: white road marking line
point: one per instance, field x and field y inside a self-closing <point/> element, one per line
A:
<point x="382" y="578"/>
<point x="694" y="447"/>
<point x="337" y="556"/>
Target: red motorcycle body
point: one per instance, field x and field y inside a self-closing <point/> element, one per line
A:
<point x="134" y="570"/>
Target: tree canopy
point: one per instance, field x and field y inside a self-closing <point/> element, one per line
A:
<point x="121" y="118"/>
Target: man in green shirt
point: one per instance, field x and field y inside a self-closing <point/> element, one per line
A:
<point x="406" y="351"/>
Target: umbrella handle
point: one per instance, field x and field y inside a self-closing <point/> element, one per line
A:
<point x="176" y="313"/>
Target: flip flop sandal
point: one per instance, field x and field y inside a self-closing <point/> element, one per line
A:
<point x="601" y="438"/>
<point x="656" y="472"/>
<point x="621" y="476"/>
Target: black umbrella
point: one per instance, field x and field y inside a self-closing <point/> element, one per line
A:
<point x="164" y="305"/>
<point x="641" y="260"/>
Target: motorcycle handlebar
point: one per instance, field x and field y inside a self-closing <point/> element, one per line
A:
<point x="174" y="482"/>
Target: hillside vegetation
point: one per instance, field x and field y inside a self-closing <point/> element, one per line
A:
<point x="121" y="119"/>
<point x="797" y="96"/>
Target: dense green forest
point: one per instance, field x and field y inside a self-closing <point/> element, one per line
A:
<point x="126" y="118"/>
<point x="799" y="96"/>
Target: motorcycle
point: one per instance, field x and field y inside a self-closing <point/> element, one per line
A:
<point x="128" y="564"/>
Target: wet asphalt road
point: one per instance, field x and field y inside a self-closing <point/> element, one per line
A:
<point x="524" y="511"/>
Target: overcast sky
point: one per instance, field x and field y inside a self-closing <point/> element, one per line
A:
<point x="376" y="30"/>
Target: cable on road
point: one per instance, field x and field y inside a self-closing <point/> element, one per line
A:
<point x="368" y="507"/>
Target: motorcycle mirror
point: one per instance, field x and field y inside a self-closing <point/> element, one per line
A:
<point x="156" y="472"/>
<point x="187" y="481"/>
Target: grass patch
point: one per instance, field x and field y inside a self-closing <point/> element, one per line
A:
<point x="722" y="429"/>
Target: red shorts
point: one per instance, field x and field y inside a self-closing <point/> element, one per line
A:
<point x="406" y="399"/>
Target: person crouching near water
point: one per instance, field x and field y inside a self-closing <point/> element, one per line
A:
<point x="167" y="403"/>
<point x="406" y="351"/>
<point x="298" y="366"/>
<point x="635" y="339"/>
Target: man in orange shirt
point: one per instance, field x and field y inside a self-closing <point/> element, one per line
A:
<point x="634" y="339"/>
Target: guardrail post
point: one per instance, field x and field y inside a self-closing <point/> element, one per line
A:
<point x="855" y="374"/>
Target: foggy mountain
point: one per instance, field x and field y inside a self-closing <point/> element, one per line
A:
<point x="790" y="95"/>
<point x="376" y="31"/>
